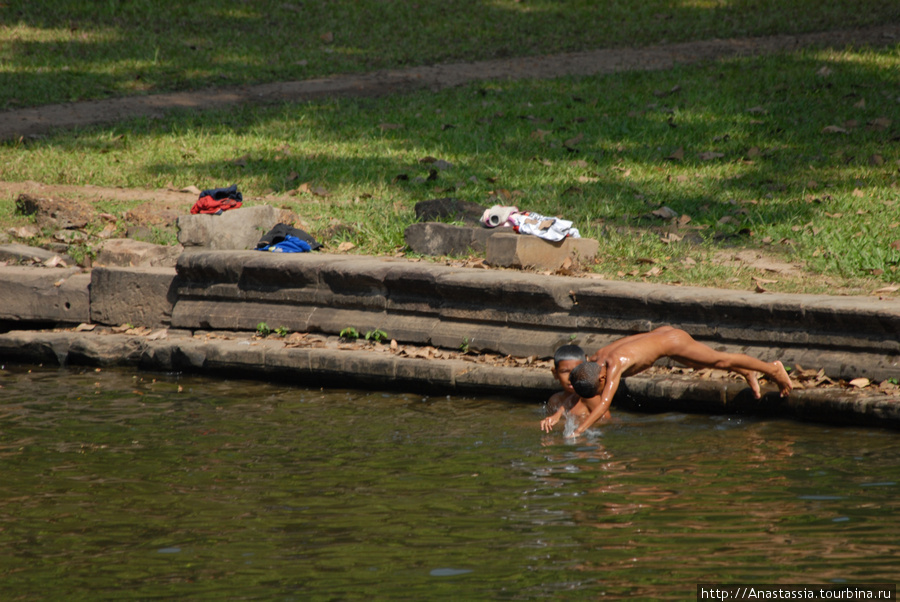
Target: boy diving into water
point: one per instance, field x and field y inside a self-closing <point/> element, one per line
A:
<point x="597" y="380"/>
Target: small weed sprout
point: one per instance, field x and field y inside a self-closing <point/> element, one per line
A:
<point x="282" y="331"/>
<point x="263" y="330"/>
<point x="376" y="335"/>
<point x="464" y="346"/>
<point x="349" y="333"/>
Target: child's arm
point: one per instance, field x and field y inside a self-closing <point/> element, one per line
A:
<point x="548" y="422"/>
<point x="613" y="376"/>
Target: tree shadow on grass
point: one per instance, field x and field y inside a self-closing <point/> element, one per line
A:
<point x="70" y="50"/>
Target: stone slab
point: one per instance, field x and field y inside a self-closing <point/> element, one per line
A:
<point x="236" y="229"/>
<point x="17" y="252"/>
<point x="59" y="295"/>
<point x="436" y="238"/>
<point x="126" y="252"/>
<point x="137" y="296"/>
<point x="524" y="251"/>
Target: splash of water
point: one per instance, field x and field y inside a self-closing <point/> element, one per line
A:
<point x="572" y="423"/>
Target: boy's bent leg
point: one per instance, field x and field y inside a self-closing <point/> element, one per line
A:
<point x="694" y="354"/>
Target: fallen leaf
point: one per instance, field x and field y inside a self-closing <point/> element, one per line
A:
<point x="665" y="213"/>
<point x="887" y="289"/>
<point x="876" y="160"/>
<point x="861" y="104"/>
<point x="858" y="193"/>
<point x="327" y="37"/>
<point x="587" y="179"/>
<point x="757" y="110"/>
<point x="670" y="238"/>
<point x="824" y="71"/>
<point x="346" y="246"/>
<point x="241" y="161"/>
<point x="390" y="126"/>
<point x="539" y="134"/>
<point x="859" y="383"/>
<point x="879" y="124"/>
<point x="710" y="155"/>
<point x="834" y="129"/>
<point x="677" y="154"/>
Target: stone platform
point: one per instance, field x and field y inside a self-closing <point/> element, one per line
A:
<point x="507" y="312"/>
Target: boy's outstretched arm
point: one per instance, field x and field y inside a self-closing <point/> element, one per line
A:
<point x="548" y="422"/>
<point x="602" y="401"/>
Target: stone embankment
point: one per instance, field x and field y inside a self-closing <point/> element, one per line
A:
<point x="201" y="316"/>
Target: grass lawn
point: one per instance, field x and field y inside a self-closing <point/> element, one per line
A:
<point x="797" y="155"/>
<point x="68" y="50"/>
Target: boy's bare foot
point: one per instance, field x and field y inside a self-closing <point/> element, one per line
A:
<point x="752" y="378"/>
<point x="782" y="379"/>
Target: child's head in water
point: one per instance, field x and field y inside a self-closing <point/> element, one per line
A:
<point x="585" y="379"/>
<point x="566" y="359"/>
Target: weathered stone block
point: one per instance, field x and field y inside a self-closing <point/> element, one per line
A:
<point x="138" y="296"/>
<point x="125" y="252"/>
<point x="236" y="229"/>
<point x="44" y="295"/>
<point x="434" y="238"/>
<point x="525" y="251"/>
<point x="23" y="253"/>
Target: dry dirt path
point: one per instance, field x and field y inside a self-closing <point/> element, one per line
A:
<point x="40" y="120"/>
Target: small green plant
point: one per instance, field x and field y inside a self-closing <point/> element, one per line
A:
<point x="282" y="331"/>
<point x="572" y="337"/>
<point x="464" y="346"/>
<point x="376" y="335"/>
<point x="349" y="333"/>
<point x="263" y="330"/>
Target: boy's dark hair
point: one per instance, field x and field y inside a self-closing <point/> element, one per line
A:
<point x="585" y="379"/>
<point x="568" y="352"/>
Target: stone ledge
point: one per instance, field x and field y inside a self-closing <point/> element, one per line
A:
<point x="329" y="366"/>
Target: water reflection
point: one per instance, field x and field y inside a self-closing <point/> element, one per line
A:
<point x="138" y="485"/>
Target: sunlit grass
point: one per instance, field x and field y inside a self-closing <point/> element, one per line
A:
<point x="750" y="160"/>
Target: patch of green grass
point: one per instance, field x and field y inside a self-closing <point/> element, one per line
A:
<point x="70" y="50"/>
<point x="796" y="155"/>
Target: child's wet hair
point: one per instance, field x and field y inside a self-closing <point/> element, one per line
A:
<point x="585" y="379"/>
<point x="568" y="353"/>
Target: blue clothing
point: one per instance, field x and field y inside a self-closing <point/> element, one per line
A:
<point x="290" y="244"/>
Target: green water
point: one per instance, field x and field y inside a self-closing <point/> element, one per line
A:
<point x="119" y="486"/>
